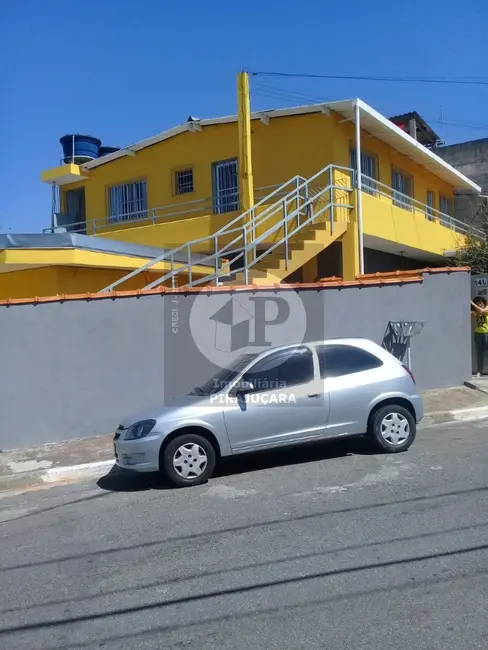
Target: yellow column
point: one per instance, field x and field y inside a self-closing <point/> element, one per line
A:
<point x="246" y="182"/>
<point x="350" y="249"/>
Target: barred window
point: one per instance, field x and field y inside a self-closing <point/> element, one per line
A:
<point x="402" y="189"/>
<point x="184" y="181"/>
<point x="128" y="201"/>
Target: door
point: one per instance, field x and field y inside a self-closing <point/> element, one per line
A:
<point x="75" y="217"/>
<point x="225" y="183"/>
<point x="352" y="377"/>
<point x="287" y="404"/>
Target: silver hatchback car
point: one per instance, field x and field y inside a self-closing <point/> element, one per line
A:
<point x="285" y="396"/>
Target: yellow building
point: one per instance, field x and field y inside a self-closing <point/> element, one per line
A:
<point x="262" y="197"/>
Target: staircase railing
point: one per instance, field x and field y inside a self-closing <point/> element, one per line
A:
<point x="236" y="247"/>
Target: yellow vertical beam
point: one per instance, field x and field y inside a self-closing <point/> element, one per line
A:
<point x="350" y="249"/>
<point x="246" y="181"/>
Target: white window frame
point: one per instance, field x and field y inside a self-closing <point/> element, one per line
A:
<point x="402" y="196"/>
<point x="127" y="201"/>
<point x="369" y="163"/>
<point x="225" y="193"/>
<point x="183" y="181"/>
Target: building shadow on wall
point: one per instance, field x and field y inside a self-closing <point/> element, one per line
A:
<point x="394" y="343"/>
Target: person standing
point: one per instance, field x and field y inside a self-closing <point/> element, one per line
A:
<point x="480" y="313"/>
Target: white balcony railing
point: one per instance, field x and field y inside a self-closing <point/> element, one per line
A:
<point x="409" y="204"/>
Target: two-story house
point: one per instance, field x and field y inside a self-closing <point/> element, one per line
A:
<point x="170" y="208"/>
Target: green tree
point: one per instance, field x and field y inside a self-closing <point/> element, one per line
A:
<point x="474" y="252"/>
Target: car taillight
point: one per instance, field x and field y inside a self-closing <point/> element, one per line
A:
<point x="409" y="372"/>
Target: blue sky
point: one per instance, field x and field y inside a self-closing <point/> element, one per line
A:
<point x="126" y="70"/>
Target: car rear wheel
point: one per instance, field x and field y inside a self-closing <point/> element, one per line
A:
<point x="392" y="428"/>
<point x="188" y="460"/>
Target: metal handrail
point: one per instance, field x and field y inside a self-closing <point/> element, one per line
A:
<point x="225" y="230"/>
<point x="248" y="250"/>
<point x="304" y="203"/>
<point x="159" y="213"/>
<point x="409" y="203"/>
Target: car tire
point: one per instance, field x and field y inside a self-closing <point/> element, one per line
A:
<point x="188" y="460"/>
<point x="392" y="428"/>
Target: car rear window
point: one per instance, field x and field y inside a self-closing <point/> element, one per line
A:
<point x="340" y="360"/>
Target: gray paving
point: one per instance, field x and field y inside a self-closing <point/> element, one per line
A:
<point x="328" y="547"/>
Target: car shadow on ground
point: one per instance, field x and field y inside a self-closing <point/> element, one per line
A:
<point x="118" y="480"/>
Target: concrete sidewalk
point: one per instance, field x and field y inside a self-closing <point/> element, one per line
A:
<point x="23" y="469"/>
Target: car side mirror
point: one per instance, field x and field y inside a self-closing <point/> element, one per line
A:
<point x="245" y="387"/>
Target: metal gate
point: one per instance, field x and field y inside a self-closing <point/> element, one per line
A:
<point x="225" y="185"/>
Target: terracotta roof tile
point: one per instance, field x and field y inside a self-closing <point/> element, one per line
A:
<point x="368" y="279"/>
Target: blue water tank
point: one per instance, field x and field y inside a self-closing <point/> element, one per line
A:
<point x="86" y="148"/>
<point x="104" y="151"/>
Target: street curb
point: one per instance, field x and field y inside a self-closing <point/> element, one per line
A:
<point x="74" y="472"/>
<point x="24" y="481"/>
<point x="457" y="415"/>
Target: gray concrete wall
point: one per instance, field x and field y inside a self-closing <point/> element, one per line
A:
<point x="74" y="369"/>
<point x="470" y="158"/>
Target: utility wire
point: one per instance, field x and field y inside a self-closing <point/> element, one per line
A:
<point x="286" y="95"/>
<point x="480" y="81"/>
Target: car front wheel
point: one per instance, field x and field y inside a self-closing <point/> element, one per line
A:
<point x="392" y="428"/>
<point x="188" y="460"/>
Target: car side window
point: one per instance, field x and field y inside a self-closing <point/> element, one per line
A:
<point x="340" y="360"/>
<point x="281" y="370"/>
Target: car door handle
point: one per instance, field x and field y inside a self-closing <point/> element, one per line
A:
<point x="314" y="395"/>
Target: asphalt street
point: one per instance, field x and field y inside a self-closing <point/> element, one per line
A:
<point x="327" y="547"/>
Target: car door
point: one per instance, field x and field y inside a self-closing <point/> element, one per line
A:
<point x="351" y="377"/>
<point x="287" y="404"/>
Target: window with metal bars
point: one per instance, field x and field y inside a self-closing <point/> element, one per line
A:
<point x="225" y="186"/>
<point x="127" y="201"/>
<point x="402" y="185"/>
<point x="445" y="205"/>
<point x="369" y="170"/>
<point x="430" y="205"/>
<point x="183" y="181"/>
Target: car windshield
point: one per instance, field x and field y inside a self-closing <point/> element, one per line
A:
<point x="224" y="377"/>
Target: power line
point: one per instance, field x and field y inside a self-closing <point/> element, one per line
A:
<point x="480" y="81"/>
<point x="283" y="94"/>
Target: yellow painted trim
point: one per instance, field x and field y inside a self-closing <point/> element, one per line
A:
<point x="74" y="257"/>
<point x="64" y="174"/>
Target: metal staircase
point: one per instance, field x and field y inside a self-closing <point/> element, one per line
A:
<point x="268" y="242"/>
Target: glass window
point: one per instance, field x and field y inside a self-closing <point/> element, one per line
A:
<point x="339" y="360"/>
<point x="225" y="182"/>
<point x="445" y="205"/>
<point x="225" y="376"/>
<point x="184" y="181"/>
<point x="430" y="205"/>
<point x="282" y="369"/>
<point x="369" y="170"/>
<point x="402" y="189"/>
<point x="128" y="201"/>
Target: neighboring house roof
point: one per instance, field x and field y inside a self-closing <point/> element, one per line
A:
<point x="425" y="134"/>
<point x="87" y="242"/>
<point x="371" y="121"/>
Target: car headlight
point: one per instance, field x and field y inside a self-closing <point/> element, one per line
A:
<point x="140" y="430"/>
